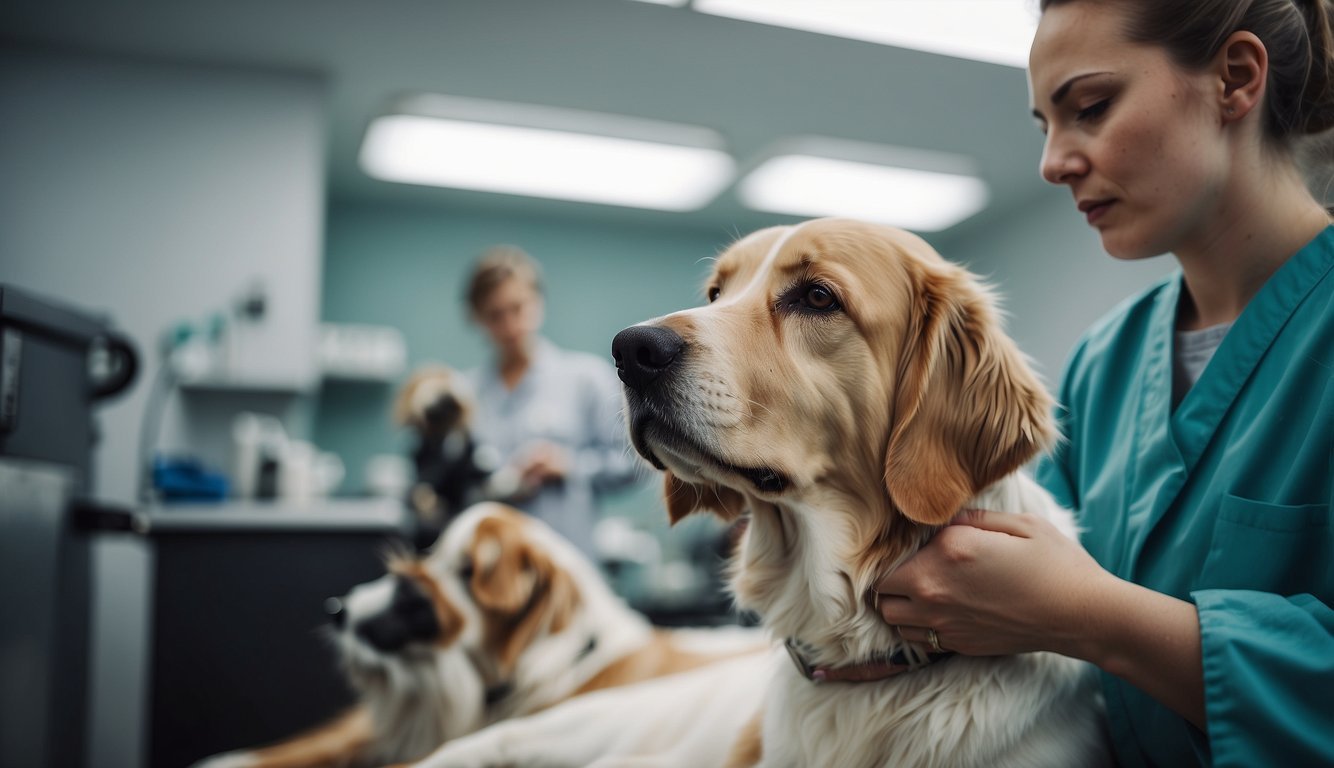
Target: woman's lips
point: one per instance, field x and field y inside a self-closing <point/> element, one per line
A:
<point x="1095" y="211"/>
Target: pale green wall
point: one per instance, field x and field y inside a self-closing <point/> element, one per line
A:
<point x="1052" y="276"/>
<point x="404" y="267"/>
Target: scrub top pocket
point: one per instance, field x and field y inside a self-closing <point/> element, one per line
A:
<point x="1276" y="548"/>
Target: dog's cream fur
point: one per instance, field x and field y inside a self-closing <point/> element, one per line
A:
<point x="690" y="719"/>
<point x="850" y="430"/>
<point x="516" y="606"/>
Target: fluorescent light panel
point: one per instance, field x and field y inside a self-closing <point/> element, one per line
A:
<point x="807" y="185"/>
<point x="541" y="162"/>
<point x="996" y="31"/>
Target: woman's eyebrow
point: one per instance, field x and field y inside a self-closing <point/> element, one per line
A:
<point x="1058" y="95"/>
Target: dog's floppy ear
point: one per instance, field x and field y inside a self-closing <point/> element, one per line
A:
<point x="968" y="410"/>
<point x="519" y="586"/>
<point x="684" y="498"/>
<point x="402" y="410"/>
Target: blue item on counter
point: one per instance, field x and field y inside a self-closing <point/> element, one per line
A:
<point x="187" y="478"/>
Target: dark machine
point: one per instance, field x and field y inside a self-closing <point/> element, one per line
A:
<point x="56" y="366"/>
<point x="237" y="589"/>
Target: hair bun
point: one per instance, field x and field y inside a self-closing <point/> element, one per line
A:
<point x="1317" y="99"/>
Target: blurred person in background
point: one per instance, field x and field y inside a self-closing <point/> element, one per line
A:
<point x="553" y="414"/>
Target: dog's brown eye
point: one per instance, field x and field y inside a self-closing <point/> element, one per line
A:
<point x="713" y="293"/>
<point x="821" y="298"/>
<point x="809" y="299"/>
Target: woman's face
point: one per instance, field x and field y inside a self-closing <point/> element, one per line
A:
<point x="510" y="314"/>
<point x="1137" y="139"/>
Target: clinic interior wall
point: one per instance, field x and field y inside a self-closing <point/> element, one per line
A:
<point x="405" y="266"/>
<point x="155" y="193"/>
<point x="152" y="192"/>
<point x="1051" y="274"/>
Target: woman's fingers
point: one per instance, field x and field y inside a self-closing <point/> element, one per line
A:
<point x="1000" y="522"/>
<point x="895" y="609"/>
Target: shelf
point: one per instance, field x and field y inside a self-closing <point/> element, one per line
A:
<point x="246" y="385"/>
<point x="336" y="514"/>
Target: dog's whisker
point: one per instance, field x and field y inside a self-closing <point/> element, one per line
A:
<point x="761" y="406"/>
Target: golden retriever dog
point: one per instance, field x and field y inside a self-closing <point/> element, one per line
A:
<point x="502" y="618"/>
<point x="851" y="391"/>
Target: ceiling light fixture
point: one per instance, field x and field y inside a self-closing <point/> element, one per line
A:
<point x="996" y="31"/>
<point x="913" y="189"/>
<point x="546" y="152"/>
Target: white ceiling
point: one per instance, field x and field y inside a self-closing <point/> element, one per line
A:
<point x="754" y="84"/>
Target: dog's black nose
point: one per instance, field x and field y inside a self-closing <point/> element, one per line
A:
<point x="644" y="352"/>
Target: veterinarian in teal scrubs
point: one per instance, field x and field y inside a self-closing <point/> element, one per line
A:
<point x="1198" y="416"/>
<point x="1223" y="501"/>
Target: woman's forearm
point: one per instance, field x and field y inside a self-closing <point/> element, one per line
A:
<point x="1151" y="641"/>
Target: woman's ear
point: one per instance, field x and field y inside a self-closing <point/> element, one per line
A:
<point x="1242" y="65"/>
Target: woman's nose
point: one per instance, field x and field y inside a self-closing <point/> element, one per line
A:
<point x="1061" y="162"/>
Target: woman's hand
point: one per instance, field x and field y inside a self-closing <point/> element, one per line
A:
<point x="543" y="463"/>
<point x="992" y="583"/>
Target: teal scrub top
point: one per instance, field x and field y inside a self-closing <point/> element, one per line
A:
<point x="1225" y="502"/>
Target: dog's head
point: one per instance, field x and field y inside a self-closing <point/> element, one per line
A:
<point x="834" y="357"/>
<point x="460" y="619"/>
<point x="433" y="401"/>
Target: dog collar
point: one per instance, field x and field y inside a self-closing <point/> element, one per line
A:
<point x="495" y="693"/>
<point x="875" y="668"/>
<point x="587" y="649"/>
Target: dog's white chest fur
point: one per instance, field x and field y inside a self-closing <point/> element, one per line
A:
<point x="1023" y="711"/>
<point x="1031" y="710"/>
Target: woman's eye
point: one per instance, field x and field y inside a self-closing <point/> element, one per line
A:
<point x="821" y="298"/>
<point x="1093" y="112"/>
<point x="713" y="293"/>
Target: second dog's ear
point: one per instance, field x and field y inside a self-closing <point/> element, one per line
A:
<point x="684" y="498"/>
<point x="523" y="591"/>
<point x="402" y="410"/>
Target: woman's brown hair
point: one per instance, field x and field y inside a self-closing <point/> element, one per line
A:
<point x="1296" y="34"/>
<point x="495" y="266"/>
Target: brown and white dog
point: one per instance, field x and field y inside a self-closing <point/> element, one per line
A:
<point x="853" y="391"/>
<point x="503" y="618"/>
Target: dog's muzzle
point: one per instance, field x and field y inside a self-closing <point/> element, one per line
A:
<point x="643" y="353"/>
<point x="409" y="618"/>
<point x="443" y="414"/>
